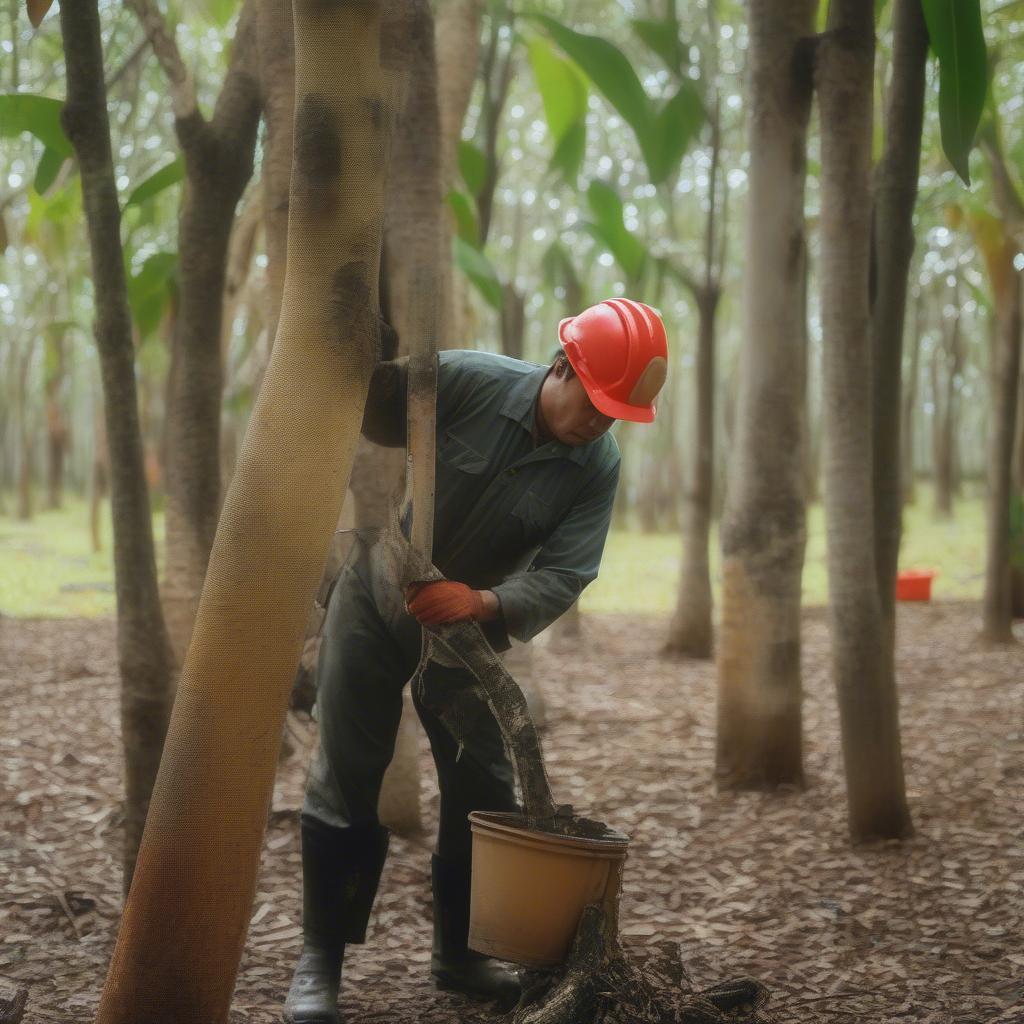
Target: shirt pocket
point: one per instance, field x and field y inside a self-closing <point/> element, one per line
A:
<point x="534" y="515"/>
<point x="457" y="454"/>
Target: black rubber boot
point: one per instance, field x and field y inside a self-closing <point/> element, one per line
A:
<point x="340" y="872"/>
<point x="454" y="965"/>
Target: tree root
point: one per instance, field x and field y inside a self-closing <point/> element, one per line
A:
<point x="603" y="984"/>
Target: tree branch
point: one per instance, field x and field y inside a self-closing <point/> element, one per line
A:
<point x="183" y="88"/>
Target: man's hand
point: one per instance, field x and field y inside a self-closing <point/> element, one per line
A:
<point x="445" y="601"/>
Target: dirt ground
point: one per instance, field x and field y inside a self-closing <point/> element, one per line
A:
<point x="768" y="886"/>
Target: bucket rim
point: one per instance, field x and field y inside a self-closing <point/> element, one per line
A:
<point x="500" y="822"/>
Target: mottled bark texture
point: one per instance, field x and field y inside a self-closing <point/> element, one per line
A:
<point x="909" y="415"/>
<point x="218" y="156"/>
<point x="57" y="427"/>
<point x="763" y="531"/>
<point x="144" y="652"/>
<point x="196" y="873"/>
<point x="862" y="642"/>
<point x="895" y="193"/>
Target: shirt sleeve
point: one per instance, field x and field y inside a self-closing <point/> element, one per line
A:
<point x="565" y="564"/>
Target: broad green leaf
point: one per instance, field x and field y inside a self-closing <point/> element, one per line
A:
<point x="37" y="115"/>
<point x="611" y="231"/>
<point x="677" y="125"/>
<point x="663" y="38"/>
<point x="169" y="174"/>
<point x="465" y="218"/>
<point x="608" y="68"/>
<point x="150" y="290"/>
<point x="477" y="267"/>
<point x="563" y="89"/>
<point x="472" y="166"/>
<point x="47" y="170"/>
<point x="957" y="39"/>
<point x="568" y="155"/>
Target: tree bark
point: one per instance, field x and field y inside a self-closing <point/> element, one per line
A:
<point x="457" y="35"/>
<point x="895" y="193"/>
<point x="197" y="868"/>
<point x="218" y="157"/>
<point x="997" y="602"/>
<point x="759" y="740"/>
<point x="145" y="658"/>
<point x="861" y="639"/>
<point x="56" y="421"/>
<point x="909" y="414"/>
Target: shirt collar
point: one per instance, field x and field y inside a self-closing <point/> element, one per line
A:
<point x="520" y="405"/>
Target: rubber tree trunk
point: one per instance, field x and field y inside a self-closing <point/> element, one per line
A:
<point x="56" y="421"/>
<point x="997" y="602"/>
<point x="197" y="868"/>
<point x="895" y="193"/>
<point x="144" y="654"/>
<point x="909" y="415"/>
<point x="218" y="157"/>
<point x="457" y="35"/>
<point x="759" y="741"/>
<point x="861" y="641"/>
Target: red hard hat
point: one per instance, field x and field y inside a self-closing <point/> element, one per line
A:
<point x="619" y="352"/>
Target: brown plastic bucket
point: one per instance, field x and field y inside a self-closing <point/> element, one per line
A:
<point x="530" y="887"/>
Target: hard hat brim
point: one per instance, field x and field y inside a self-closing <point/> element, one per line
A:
<point x="603" y="403"/>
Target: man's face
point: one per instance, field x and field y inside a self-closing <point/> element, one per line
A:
<point x="568" y="413"/>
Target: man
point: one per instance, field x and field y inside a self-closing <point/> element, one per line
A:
<point x="526" y="476"/>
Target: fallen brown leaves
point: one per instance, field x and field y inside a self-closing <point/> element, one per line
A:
<point x="766" y="886"/>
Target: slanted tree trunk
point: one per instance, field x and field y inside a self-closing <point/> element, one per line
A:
<point x="947" y="357"/>
<point x="218" y="157"/>
<point x="763" y="532"/>
<point x="895" y="193"/>
<point x="99" y="482"/>
<point x="144" y="655"/>
<point x="197" y="868"/>
<point x="861" y="640"/>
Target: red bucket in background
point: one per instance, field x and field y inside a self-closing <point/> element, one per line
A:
<point x="914" y="584"/>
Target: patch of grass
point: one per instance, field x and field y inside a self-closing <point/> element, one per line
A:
<point x="48" y="570"/>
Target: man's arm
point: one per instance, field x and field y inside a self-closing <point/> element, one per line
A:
<point x="568" y="561"/>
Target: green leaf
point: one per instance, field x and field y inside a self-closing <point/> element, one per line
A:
<point x="150" y="290"/>
<point x="37" y="115"/>
<point x="558" y="268"/>
<point x="47" y="170"/>
<point x="611" y="231"/>
<point x="563" y="89"/>
<point x="608" y="68"/>
<point x="477" y="267"/>
<point x="168" y="175"/>
<point x="957" y="39"/>
<point x="472" y="166"/>
<point x="678" y="124"/>
<point x="663" y="38"/>
<point x="568" y="155"/>
<point x="465" y="218"/>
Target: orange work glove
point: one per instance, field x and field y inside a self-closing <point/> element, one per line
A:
<point x="443" y="601"/>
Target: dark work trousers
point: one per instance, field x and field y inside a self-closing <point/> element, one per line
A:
<point x="366" y="658"/>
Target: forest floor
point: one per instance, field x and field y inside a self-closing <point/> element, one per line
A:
<point x="767" y="886"/>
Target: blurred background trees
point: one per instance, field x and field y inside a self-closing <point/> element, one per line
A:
<point x="587" y="149"/>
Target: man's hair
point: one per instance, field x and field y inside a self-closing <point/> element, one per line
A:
<point x="562" y="367"/>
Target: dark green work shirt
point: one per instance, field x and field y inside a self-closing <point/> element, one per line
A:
<point x="526" y="521"/>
